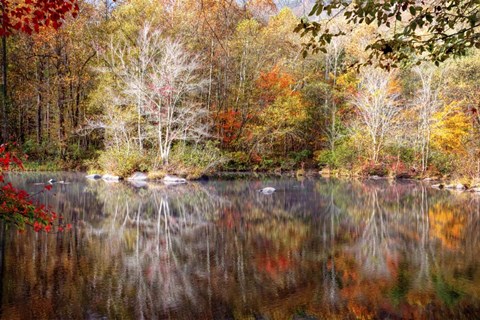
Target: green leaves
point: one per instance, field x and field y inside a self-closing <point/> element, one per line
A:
<point x="412" y="10"/>
<point x="430" y="31"/>
<point x="317" y="9"/>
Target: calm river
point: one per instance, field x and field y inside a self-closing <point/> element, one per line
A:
<point x="315" y="249"/>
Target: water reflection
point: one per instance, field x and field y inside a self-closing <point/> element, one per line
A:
<point x="313" y="249"/>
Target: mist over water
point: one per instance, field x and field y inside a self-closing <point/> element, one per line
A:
<point x="315" y="248"/>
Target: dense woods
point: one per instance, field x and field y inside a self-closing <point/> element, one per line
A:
<point x="193" y="88"/>
<point x="201" y="85"/>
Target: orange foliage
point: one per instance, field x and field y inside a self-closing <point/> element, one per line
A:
<point x="273" y="84"/>
<point x="255" y="157"/>
<point x="228" y="124"/>
<point x="394" y="86"/>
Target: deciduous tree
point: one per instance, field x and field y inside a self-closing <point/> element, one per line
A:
<point x="377" y="106"/>
<point x="160" y="78"/>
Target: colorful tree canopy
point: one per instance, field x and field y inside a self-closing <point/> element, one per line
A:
<point x="29" y="15"/>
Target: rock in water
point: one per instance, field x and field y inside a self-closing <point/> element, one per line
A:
<point x="52" y="181"/>
<point x="174" y="180"/>
<point x="138" y="183"/>
<point x="267" y="190"/>
<point x="437" y="186"/>
<point x="138" y="176"/>
<point x="109" y="177"/>
<point x="93" y="176"/>
<point x="458" y="186"/>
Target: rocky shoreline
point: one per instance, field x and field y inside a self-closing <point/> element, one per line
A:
<point x="435" y="182"/>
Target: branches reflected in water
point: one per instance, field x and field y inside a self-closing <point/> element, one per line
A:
<point x="219" y="249"/>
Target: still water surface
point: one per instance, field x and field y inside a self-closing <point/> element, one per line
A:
<point x="315" y="249"/>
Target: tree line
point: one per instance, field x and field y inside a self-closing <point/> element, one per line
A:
<point x="198" y="86"/>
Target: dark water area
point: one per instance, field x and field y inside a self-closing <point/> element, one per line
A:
<point x="314" y="249"/>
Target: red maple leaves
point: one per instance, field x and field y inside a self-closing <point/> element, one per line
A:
<point x="29" y="15"/>
<point x="17" y="207"/>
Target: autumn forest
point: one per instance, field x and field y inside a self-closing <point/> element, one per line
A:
<point x="175" y="148"/>
<point x="199" y="86"/>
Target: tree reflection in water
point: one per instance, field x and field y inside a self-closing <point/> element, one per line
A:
<point x="317" y="248"/>
<point x="145" y="228"/>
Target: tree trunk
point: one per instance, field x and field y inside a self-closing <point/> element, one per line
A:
<point x="210" y="77"/>
<point x="39" y="101"/>
<point x="22" y="130"/>
<point x="61" y="97"/>
<point x="4" y="89"/>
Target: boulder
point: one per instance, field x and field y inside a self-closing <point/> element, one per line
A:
<point x="460" y="186"/>
<point x="438" y="186"/>
<point x="93" y="176"/>
<point x="267" y="190"/>
<point x="138" y="176"/>
<point x="109" y="177"/>
<point x="172" y="180"/>
<point x="457" y="186"/>
<point x="475" y="189"/>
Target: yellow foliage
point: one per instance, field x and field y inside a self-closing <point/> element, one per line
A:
<point x="348" y="81"/>
<point x="284" y="113"/>
<point x="450" y="129"/>
<point x="447" y="225"/>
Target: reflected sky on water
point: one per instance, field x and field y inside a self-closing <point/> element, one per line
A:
<point x="315" y="249"/>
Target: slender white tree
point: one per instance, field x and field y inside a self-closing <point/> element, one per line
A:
<point x="333" y="66"/>
<point x="377" y="105"/>
<point x="173" y="84"/>
<point x="426" y="103"/>
<point x="161" y="79"/>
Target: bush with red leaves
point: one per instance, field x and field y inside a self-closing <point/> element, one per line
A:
<point x="17" y="207"/>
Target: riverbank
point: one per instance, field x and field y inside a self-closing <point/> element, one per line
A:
<point x="450" y="181"/>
